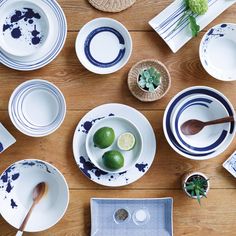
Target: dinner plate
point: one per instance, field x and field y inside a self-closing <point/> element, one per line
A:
<point x="16" y="185"/>
<point x="50" y="49"/>
<point x="114" y="179"/>
<point x="103" y="45"/>
<point x="131" y="216"/>
<point x="203" y="108"/>
<point x="217" y="51"/>
<point x="37" y="108"/>
<point x="168" y="115"/>
<point x="24" y="27"/>
<point x="119" y="125"/>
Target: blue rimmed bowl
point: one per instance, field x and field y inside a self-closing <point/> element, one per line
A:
<point x="168" y="117"/>
<point x="204" y="108"/>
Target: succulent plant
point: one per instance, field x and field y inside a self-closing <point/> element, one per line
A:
<point x="149" y="79"/>
<point x="196" y="186"/>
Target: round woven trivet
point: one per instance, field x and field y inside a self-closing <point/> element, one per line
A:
<point x="111" y="5"/>
<point x="141" y="94"/>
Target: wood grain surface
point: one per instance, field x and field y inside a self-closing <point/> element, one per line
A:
<point x="82" y="90"/>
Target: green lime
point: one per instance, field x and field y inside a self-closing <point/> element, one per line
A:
<point x="126" y="141"/>
<point x="104" y="137"/>
<point x="113" y="160"/>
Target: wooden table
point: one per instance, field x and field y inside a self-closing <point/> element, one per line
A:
<point x="82" y="91"/>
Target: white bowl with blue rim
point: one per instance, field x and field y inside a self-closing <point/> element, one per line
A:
<point x="204" y="108"/>
<point x="217" y="51"/>
<point x="37" y="108"/>
<point x="120" y="125"/>
<point x="168" y="117"/>
<point x="24" y="27"/>
<point x="16" y="185"/>
<point x="103" y="45"/>
<point x="52" y="28"/>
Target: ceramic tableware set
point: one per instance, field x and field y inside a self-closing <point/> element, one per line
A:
<point x="32" y="35"/>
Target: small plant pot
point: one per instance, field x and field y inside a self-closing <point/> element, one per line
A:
<point x="143" y="94"/>
<point x="187" y="178"/>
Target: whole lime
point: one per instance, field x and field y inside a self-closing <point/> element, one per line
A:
<point x="104" y="137"/>
<point x="113" y="160"/>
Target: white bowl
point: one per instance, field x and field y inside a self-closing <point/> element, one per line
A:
<point x="204" y="108"/>
<point x="37" y="108"/>
<point x="24" y="27"/>
<point x="119" y="125"/>
<point x="103" y="45"/>
<point x="168" y="115"/>
<point x="16" y="185"/>
<point x="217" y="51"/>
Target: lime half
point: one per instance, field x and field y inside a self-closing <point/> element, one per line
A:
<point x="126" y="141"/>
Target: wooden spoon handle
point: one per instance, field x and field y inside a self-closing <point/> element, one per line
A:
<point x="221" y="120"/>
<point x="22" y="227"/>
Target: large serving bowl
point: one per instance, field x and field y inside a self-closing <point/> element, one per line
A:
<point x="119" y="125"/>
<point x="37" y="108"/>
<point x="103" y="45"/>
<point x="203" y="108"/>
<point x="168" y="117"/>
<point x="217" y="51"/>
<point x="16" y="185"/>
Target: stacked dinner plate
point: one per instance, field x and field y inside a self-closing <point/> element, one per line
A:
<point x="205" y="104"/>
<point x="37" y="108"/>
<point x="32" y="33"/>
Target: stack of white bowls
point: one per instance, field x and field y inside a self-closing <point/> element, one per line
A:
<point x="204" y="104"/>
<point x="37" y="108"/>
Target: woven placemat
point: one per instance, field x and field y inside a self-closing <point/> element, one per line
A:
<point x="139" y="93"/>
<point x="112" y="5"/>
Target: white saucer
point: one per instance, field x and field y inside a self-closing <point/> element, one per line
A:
<point x="103" y="45"/>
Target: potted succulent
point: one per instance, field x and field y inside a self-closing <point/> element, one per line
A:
<point x="196" y="185"/>
<point x="149" y="79"/>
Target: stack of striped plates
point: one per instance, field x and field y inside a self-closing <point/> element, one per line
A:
<point x="32" y="33"/>
<point x="37" y="108"/>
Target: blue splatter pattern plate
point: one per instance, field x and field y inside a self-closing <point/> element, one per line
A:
<point x="24" y="27"/>
<point x="139" y="217"/>
<point x="114" y="179"/>
<point x="16" y="186"/>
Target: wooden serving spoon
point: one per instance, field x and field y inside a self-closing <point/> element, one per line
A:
<point x="37" y="195"/>
<point x="192" y="127"/>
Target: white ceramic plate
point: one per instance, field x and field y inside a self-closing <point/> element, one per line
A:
<point x="54" y="42"/>
<point x="168" y="116"/>
<point x="217" y="51"/>
<point x="204" y="108"/>
<point x="16" y="185"/>
<point x="25" y="27"/>
<point x="119" y="125"/>
<point x="165" y="23"/>
<point x="117" y="179"/>
<point x="103" y="45"/>
<point x="37" y="108"/>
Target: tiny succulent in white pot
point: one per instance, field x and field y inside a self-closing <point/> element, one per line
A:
<point x="196" y="185"/>
<point x="149" y="79"/>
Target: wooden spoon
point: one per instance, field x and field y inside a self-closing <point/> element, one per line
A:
<point x="192" y="127"/>
<point x="37" y="195"/>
